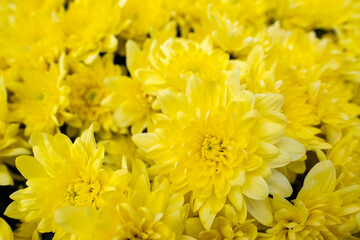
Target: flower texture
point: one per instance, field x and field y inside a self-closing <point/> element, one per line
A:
<point x="221" y="148"/>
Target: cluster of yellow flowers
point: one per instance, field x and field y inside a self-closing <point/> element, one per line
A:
<point x="162" y="119"/>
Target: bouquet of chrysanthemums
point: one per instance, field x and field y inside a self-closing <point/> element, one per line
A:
<point x="187" y="119"/>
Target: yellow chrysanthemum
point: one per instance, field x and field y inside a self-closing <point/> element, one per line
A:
<point x="176" y="60"/>
<point x="144" y="17"/>
<point x="222" y="228"/>
<point x="30" y="34"/>
<point x="5" y="231"/>
<point x="221" y="147"/>
<point x="90" y="27"/>
<point x="234" y="28"/>
<point x="138" y="213"/>
<point x="88" y="90"/>
<point x="320" y="211"/>
<point x="132" y="105"/>
<point x="311" y="14"/>
<point x="39" y="98"/>
<point x="62" y="173"/>
<point x="11" y="144"/>
<point x="346" y="152"/>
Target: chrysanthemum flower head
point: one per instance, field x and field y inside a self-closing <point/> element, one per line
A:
<point x="30" y="34"/>
<point x="309" y="14"/>
<point x="144" y="16"/>
<point x="139" y="213"/>
<point x="39" y="98"/>
<point x="90" y="27"/>
<point x="62" y="173"/>
<point x="132" y="105"/>
<point x="88" y="90"/>
<point x="220" y="146"/>
<point x="174" y="61"/>
<point x="320" y="211"/>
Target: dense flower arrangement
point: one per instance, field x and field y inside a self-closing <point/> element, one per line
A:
<point x="162" y="119"/>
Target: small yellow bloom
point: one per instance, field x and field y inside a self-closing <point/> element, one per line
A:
<point x="29" y="34"/>
<point x="87" y="92"/>
<point x="311" y="14"/>
<point x="90" y="27"/>
<point x="40" y="98"/>
<point x="144" y="16"/>
<point x="320" y="211"/>
<point x="131" y="104"/>
<point x="139" y="213"/>
<point x="176" y="60"/>
<point x="62" y="173"/>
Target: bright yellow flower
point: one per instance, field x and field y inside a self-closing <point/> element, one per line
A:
<point x="320" y="211"/>
<point x="221" y="147"/>
<point x="5" y="231"/>
<point x="39" y="98"/>
<point x="62" y="173"/>
<point x="144" y="16"/>
<point x="311" y="14"/>
<point x="176" y="60"/>
<point x="222" y="228"/>
<point x="346" y="152"/>
<point x="88" y="90"/>
<point x="139" y="213"/>
<point x="30" y="34"/>
<point x="90" y="27"/>
<point x="132" y="105"/>
<point x="235" y="31"/>
<point x="11" y="144"/>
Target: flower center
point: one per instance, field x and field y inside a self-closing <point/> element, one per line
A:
<point x="80" y="193"/>
<point x="213" y="152"/>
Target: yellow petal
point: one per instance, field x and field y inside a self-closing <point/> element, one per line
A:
<point x="279" y="184"/>
<point x="5" y="177"/>
<point x="260" y="210"/>
<point x="255" y="187"/>
<point x="30" y="168"/>
<point x="5" y="231"/>
<point x="320" y="179"/>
